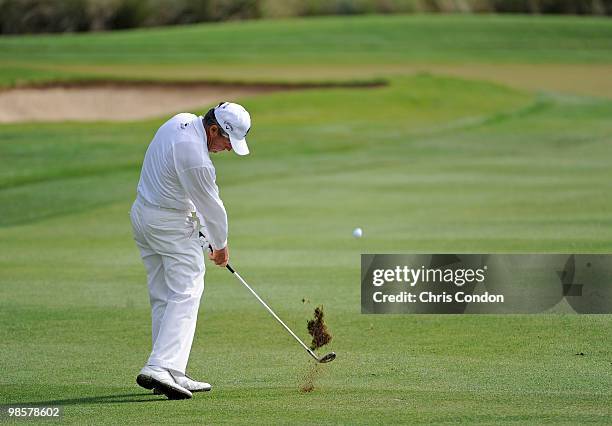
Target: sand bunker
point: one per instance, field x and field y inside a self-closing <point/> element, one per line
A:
<point x="116" y="102"/>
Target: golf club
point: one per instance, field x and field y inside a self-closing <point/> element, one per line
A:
<point x="324" y="359"/>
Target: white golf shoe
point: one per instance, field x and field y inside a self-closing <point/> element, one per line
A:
<point x="161" y="381"/>
<point x="188" y="383"/>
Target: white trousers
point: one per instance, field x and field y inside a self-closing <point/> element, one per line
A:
<point x="170" y="250"/>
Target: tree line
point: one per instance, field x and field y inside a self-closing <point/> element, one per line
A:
<point x="48" y="16"/>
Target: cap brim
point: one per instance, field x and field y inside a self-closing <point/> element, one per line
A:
<point x="239" y="146"/>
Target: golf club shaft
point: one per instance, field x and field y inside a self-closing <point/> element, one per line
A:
<point x="233" y="271"/>
<point x="272" y="312"/>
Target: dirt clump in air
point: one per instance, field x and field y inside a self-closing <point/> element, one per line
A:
<point x="318" y="329"/>
<point x="320" y="337"/>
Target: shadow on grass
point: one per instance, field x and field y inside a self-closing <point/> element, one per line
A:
<point x="106" y="399"/>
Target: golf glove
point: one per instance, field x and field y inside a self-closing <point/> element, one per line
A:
<point x="203" y="241"/>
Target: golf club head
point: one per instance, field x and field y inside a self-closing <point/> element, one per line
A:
<point x="328" y="358"/>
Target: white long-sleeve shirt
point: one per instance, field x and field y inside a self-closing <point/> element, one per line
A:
<point x="178" y="173"/>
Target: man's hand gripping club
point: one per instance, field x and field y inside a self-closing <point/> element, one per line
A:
<point x="219" y="257"/>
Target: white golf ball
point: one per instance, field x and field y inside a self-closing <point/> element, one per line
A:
<point x="357" y="232"/>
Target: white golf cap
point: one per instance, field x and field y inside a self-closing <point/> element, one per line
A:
<point x="236" y="122"/>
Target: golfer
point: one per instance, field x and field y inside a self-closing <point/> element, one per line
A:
<point x="177" y="195"/>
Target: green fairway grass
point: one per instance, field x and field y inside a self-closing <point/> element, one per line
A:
<point x="331" y="48"/>
<point x="427" y="163"/>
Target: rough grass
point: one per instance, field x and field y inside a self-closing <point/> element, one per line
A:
<point x="332" y="40"/>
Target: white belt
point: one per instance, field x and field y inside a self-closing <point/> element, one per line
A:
<point x="155" y="206"/>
